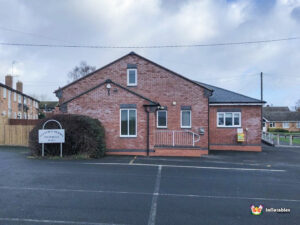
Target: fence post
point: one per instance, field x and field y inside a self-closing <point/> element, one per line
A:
<point x="291" y="139"/>
<point x="278" y="140"/>
<point x="173" y="138"/>
<point x="193" y="139"/>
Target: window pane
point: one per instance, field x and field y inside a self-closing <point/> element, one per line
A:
<point x="228" y="119"/>
<point x="132" y="77"/>
<point x="221" y="119"/>
<point x="186" y="120"/>
<point x="236" y="119"/>
<point x="132" y="122"/>
<point x="124" y="122"/>
<point x="162" y="118"/>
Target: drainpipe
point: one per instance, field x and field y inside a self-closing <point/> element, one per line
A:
<point x="148" y="130"/>
<point x="148" y="125"/>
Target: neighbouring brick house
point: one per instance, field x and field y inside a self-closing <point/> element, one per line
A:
<point x="47" y="108"/>
<point x="281" y="117"/>
<point x="14" y="104"/>
<point x="147" y="109"/>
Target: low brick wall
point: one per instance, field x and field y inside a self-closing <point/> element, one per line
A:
<point x="179" y="152"/>
<point x="254" y="148"/>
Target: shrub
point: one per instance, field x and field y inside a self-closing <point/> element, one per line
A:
<point x="83" y="135"/>
<point x="278" y="130"/>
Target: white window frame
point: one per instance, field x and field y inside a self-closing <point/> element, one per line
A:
<point x="4" y="92"/>
<point x="186" y="110"/>
<point x="166" y="119"/>
<point x="224" y="124"/>
<point x="136" y="121"/>
<point x="298" y="124"/>
<point x="132" y="84"/>
<point x="284" y="123"/>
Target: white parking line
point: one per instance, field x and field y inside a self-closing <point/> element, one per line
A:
<point x="230" y="197"/>
<point x="52" y="221"/>
<point x="193" y="167"/>
<point x="72" y="190"/>
<point x="153" y="209"/>
<point x="155" y="193"/>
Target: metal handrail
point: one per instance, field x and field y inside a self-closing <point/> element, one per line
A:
<point x="195" y="139"/>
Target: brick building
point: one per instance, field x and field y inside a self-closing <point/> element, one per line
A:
<point x="14" y="104"/>
<point x="281" y="117"/>
<point x="147" y="109"/>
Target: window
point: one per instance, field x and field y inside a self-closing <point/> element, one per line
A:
<point x="15" y="115"/>
<point x="228" y="119"/>
<point x="131" y="77"/>
<point x="128" y="123"/>
<point x="186" y="120"/>
<point x="4" y="92"/>
<point x="24" y="100"/>
<point x="15" y="96"/>
<point x="298" y="124"/>
<point x="19" y="115"/>
<point x="19" y="98"/>
<point x="272" y="124"/>
<point x="162" y="116"/>
<point x="285" y="124"/>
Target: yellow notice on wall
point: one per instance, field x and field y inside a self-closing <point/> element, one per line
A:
<point x="240" y="135"/>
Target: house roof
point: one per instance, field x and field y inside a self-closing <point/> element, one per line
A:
<point x="107" y="82"/>
<point x="48" y="104"/>
<point x="221" y="95"/>
<point x="18" y="92"/>
<point x="281" y="116"/>
<point x="135" y="54"/>
<point x="276" y="109"/>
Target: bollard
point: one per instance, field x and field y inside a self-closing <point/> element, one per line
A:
<point x="278" y="140"/>
<point x="291" y="140"/>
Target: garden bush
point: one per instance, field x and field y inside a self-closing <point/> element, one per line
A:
<point x="278" y="130"/>
<point x="83" y="135"/>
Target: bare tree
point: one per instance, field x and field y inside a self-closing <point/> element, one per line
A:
<point x="80" y="71"/>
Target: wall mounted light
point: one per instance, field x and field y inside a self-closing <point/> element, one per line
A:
<point x="108" y="86"/>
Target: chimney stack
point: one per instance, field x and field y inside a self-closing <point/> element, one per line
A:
<point x="9" y="81"/>
<point x="19" y="86"/>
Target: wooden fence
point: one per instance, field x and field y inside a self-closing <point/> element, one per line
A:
<point x="14" y="135"/>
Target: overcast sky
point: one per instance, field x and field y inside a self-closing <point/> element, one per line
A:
<point x="157" y="22"/>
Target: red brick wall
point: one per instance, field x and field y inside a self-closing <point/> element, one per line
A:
<point x="153" y="82"/>
<point x="99" y="105"/>
<point x="226" y="138"/>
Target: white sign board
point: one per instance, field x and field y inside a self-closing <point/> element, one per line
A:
<point x="240" y="130"/>
<point x="52" y="136"/>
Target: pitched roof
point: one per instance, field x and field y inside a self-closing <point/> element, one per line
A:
<point x="276" y="109"/>
<point x="48" y="104"/>
<point x="135" y="54"/>
<point x="281" y="116"/>
<point x="18" y="92"/>
<point x="107" y="82"/>
<point x="221" y="95"/>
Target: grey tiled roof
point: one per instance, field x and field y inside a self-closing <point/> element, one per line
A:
<point x="221" y="95"/>
<point x="276" y="109"/>
<point x="281" y="116"/>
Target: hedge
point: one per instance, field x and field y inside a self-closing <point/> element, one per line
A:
<point x="83" y="135"/>
<point x="277" y="130"/>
